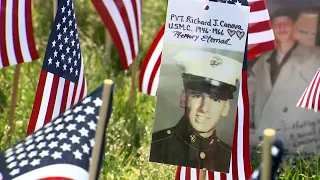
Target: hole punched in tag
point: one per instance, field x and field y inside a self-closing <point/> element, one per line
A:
<point x="206" y="5"/>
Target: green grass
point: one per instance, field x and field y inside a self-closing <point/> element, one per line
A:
<point x="129" y="131"/>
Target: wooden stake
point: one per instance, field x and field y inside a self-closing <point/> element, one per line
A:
<point x="55" y="7"/>
<point x="100" y="128"/>
<point x="266" y="154"/>
<point x="108" y="44"/>
<point x="202" y="174"/>
<point x="13" y="102"/>
<point x="133" y="83"/>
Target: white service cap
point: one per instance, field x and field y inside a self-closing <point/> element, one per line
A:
<point x="201" y="67"/>
<point x="209" y="65"/>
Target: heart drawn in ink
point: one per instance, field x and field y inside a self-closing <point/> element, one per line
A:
<point x="231" y="32"/>
<point x="240" y="34"/>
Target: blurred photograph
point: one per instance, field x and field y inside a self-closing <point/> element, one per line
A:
<point x="277" y="79"/>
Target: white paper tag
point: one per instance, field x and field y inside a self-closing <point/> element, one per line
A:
<point x="222" y="26"/>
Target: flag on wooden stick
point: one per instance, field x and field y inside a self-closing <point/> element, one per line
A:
<point x="122" y="18"/>
<point x="260" y="39"/>
<point x="17" y="44"/>
<point x="310" y="97"/>
<point x="62" y="79"/>
<point x="277" y="153"/>
<point x="63" y="148"/>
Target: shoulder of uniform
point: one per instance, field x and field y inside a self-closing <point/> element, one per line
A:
<point x="162" y="134"/>
<point x="224" y="145"/>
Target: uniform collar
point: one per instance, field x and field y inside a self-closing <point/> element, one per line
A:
<point x="185" y="131"/>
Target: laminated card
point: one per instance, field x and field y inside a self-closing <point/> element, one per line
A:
<point x="201" y="67"/>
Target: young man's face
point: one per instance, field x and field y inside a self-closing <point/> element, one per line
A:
<point x="283" y="28"/>
<point x="203" y="110"/>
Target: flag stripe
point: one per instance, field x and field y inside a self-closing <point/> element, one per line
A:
<point x="28" y="52"/>
<point x="234" y="159"/>
<point x="133" y="23"/>
<point x="246" y="125"/>
<point x="258" y="27"/>
<point x="9" y="33"/>
<point x="37" y="103"/>
<point x="316" y="100"/>
<point x="260" y="37"/>
<point x="257" y="6"/>
<point x="29" y="31"/>
<point x="125" y="20"/>
<point x="154" y="73"/>
<point x="210" y="176"/>
<point x="188" y="174"/>
<point x="3" y="50"/>
<point x="310" y="96"/>
<point x="155" y="82"/>
<point x="258" y="16"/>
<point x="44" y="101"/>
<point x="55" y="178"/>
<point x="15" y="27"/>
<point x="58" y="170"/>
<point x="136" y="11"/>
<point x="4" y="54"/>
<point x="73" y="91"/>
<point x="258" y="48"/>
<point x="64" y="99"/>
<point x="178" y="172"/>
<point x="52" y="99"/>
<point x="71" y="95"/>
<point x="80" y="91"/>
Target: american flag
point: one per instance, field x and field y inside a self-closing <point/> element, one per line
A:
<point x="310" y="97"/>
<point x="149" y="71"/>
<point x="62" y="80"/>
<point x="240" y="166"/>
<point x="62" y="149"/>
<point x="122" y="18"/>
<point x="17" y="44"/>
<point x="260" y="39"/>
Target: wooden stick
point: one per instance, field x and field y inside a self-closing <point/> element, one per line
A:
<point x="133" y="83"/>
<point x="202" y="174"/>
<point x="266" y="154"/>
<point x="13" y="102"/>
<point x="55" y="7"/>
<point x="108" y="44"/>
<point x="100" y="128"/>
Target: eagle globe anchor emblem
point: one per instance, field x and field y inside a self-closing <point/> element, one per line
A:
<point x="216" y="61"/>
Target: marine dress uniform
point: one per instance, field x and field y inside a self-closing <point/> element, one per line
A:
<point x="182" y="145"/>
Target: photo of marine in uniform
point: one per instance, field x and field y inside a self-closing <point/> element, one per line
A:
<point x="278" y="78"/>
<point x="210" y="87"/>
